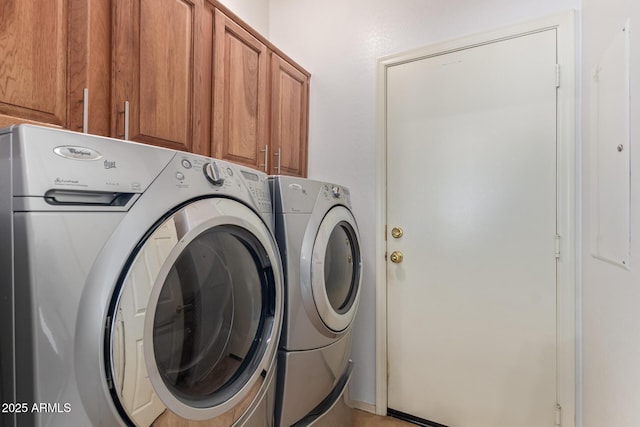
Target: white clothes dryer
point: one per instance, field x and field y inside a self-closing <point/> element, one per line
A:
<point x="320" y="246"/>
<point x="138" y="285"/>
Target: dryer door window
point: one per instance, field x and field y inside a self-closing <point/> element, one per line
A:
<point x="208" y="317"/>
<point x="336" y="269"/>
<point x="197" y="318"/>
<point x="340" y="273"/>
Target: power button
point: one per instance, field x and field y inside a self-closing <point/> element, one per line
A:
<point x="186" y="164"/>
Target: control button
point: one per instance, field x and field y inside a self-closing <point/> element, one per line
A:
<point x="229" y="171"/>
<point x="335" y="190"/>
<point x="179" y="176"/>
<point x="212" y="173"/>
<point x="186" y="164"/>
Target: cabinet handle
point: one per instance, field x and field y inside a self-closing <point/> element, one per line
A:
<point x="266" y="157"/>
<point x="279" y="156"/>
<point x="125" y="136"/>
<point x="85" y="110"/>
<point x="126" y="120"/>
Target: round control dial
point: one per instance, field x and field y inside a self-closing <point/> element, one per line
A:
<point x="212" y="173"/>
<point x="335" y="191"/>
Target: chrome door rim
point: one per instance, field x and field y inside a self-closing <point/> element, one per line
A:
<point x="331" y="318"/>
<point x="206" y="214"/>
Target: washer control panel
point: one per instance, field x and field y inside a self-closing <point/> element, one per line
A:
<point x="259" y="188"/>
<point x="221" y="176"/>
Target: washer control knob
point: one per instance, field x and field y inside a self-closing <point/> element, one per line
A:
<point x="335" y="190"/>
<point x="212" y="173"/>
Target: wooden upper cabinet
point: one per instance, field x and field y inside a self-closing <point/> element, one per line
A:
<point x="289" y="118"/>
<point x="158" y="68"/>
<point x="52" y="50"/>
<point x="181" y="74"/>
<point x="33" y="68"/>
<point x="240" y="109"/>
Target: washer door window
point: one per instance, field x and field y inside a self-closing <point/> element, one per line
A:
<point x="197" y="318"/>
<point x="336" y="269"/>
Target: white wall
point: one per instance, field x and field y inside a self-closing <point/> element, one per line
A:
<point x="611" y="295"/>
<point x="253" y="12"/>
<point x="338" y="41"/>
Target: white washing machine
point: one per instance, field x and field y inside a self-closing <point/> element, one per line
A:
<point x="138" y="285"/>
<point x="319" y="242"/>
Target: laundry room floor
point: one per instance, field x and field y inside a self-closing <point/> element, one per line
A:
<point x="366" y="419"/>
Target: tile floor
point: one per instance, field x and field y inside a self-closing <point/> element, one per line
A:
<point x="366" y="419"/>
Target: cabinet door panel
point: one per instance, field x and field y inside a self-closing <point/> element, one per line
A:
<point x="33" y="69"/>
<point x="240" y="115"/>
<point x="166" y="61"/>
<point x="289" y="118"/>
<point x="89" y="65"/>
<point x="155" y="57"/>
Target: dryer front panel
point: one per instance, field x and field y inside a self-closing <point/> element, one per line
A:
<point x="195" y="324"/>
<point x="335" y="269"/>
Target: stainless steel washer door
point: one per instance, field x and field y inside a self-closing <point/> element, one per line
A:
<point x="336" y="269"/>
<point x="196" y="322"/>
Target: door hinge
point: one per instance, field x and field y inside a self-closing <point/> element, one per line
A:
<point x="556" y="239"/>
<point x="558" y="422"/>
<point x="557" y="75"/>
<point x="385" y="232"/>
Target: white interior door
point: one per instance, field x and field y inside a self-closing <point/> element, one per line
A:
<point x="471" y="181"/>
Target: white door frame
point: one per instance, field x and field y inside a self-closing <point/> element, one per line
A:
<point x="566" y="203"/>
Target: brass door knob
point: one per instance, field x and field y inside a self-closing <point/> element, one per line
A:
<point x="396" y="257"/>
<point x="397" y="232"/>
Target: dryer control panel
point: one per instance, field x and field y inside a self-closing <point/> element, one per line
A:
<point x="302" y="195"/>
<point x="337" y="193"/>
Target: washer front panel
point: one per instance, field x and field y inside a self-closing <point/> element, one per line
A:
<point x="196" y="321"/>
